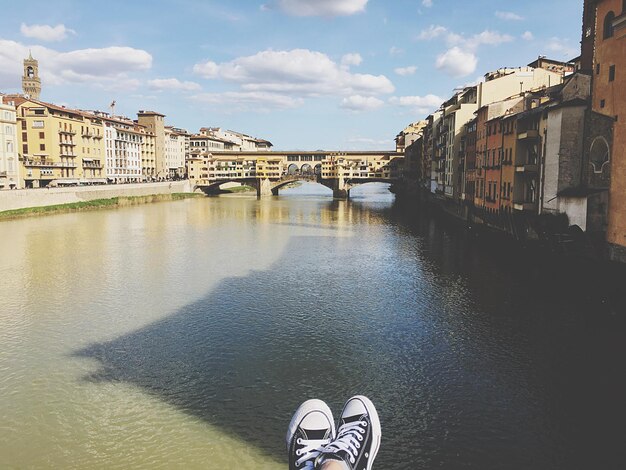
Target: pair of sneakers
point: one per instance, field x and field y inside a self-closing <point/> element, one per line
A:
<point x="312" y="440"/>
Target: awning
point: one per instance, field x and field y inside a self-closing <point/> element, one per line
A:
<point x="65" y="181"/>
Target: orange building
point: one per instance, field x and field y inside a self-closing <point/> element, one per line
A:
<point x="605" y="27"/>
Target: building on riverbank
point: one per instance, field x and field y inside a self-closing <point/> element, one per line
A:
<point x="9" y="164"/>
<point x="535" y="163"/>
<point x="604" y="55"/>
<point x="57" y="145"/>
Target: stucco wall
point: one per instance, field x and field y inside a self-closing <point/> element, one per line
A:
<point x="18" y="199"/>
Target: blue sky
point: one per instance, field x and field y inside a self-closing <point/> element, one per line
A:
<point x="304" y="74"/>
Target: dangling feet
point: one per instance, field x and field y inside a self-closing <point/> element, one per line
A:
<point x="358" y="437"/>
<point x="311" y="429"/>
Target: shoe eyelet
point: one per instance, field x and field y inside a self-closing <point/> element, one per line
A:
<point x="298" y="452"/>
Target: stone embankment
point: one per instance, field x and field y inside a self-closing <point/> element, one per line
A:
<point x="23" y="198"/>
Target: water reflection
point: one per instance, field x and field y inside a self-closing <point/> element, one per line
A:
<point x="231" y="311"/>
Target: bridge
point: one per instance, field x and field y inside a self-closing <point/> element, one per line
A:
<point x="270" y="171"/>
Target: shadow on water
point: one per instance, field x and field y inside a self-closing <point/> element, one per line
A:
<point x="474" y="362"/>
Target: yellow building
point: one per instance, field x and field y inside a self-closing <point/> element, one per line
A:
<point x="57" y="145"/>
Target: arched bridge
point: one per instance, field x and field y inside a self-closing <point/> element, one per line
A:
<point x="270" y="171"/>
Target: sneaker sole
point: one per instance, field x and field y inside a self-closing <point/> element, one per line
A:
<point x="376" y="429"/>
<point x="304" y="409"/>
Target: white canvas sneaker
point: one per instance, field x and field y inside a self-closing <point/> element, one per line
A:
<point x="312" y="427"/>
<point x="358" y="436"/>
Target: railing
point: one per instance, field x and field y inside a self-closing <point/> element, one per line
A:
<point x="64" y="131"/>
<point x="39" y="163"/>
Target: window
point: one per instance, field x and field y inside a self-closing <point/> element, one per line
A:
<point x="608" y="25"/>
<point x="25" y="148"/>
<point x="597" y="69"/>
<point x="42" y="147"/>
<point x="602" y="103"/>
<point x="623" y="7"/>
<point x="611" y="73"/>
<point x="24" y="125"/>
<point x="24" y="136"/>
<point x="42" y="135"/>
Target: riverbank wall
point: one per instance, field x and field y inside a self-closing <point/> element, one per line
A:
<point x="26" y="198"/>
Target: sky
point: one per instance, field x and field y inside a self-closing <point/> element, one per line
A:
<point x="303" y="74"/>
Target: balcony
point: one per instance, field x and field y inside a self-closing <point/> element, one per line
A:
<point x="529" y="134"/>
<point x="92" y="164"/>
<point x="69" y="144"/>
<point x="3" y="174"/>
<point x="67" y="154"/>
<point x="66" y="132"/>
<point x="39" y="163"/>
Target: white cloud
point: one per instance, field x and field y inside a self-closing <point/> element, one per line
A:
<point x="528" y="36"/>
<point x="361" y="103"/>
<point x="485" y="37"/>
<point x="45" y="32"/>
<point x="427" y="3"/>
<point x="509" y="16"/>
<point x="297" y="71"/>
<point x="562" y="48"/>
<point x="404" y="71"/>
<point x="173" y="84"/>
<point x="318" y="7"/>
<point x="93" y="66"/>
<point x="351" y="59"/>
<point x="432" y="32"/>
<point x="491" y="38"/>
<point x="395" y="51"/>
<point x="419" y="104"/>
<point x="247" y="100"/>
<point x="457" y="62"/>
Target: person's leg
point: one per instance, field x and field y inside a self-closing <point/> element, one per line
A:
<point x="312" y="427"/>
<point x="358" y="438"/>
<point x="332" y="465"/>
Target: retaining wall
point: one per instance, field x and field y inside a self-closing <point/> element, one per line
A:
<point x="21" y="198"/>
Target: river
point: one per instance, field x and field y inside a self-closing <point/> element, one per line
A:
<point x="185" y="334"/>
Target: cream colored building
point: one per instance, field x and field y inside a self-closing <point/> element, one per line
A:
<point x="9" y="163"/>
<point x="124" y="144"/>
<point x="174" y="153"/>
<point x="236" y="140"/>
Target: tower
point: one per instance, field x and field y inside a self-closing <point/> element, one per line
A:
<point x="31" y="84"/>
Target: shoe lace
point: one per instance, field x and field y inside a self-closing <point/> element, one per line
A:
<point x="310" y="449"/>
<point x="348" y="439"/>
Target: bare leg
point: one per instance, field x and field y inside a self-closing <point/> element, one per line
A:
<point x="332" y="465"/>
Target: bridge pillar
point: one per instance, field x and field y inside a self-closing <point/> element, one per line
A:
<point x="264" y="187"/>
<point x="340" y="189"/>
<point x="341" y="193"/>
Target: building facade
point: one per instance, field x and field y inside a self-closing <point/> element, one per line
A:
<point x="9" y="163"/>
<point x="604" y="33"/>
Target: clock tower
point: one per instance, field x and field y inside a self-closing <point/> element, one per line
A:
<point x="31" y="84"/>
